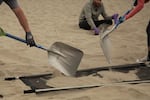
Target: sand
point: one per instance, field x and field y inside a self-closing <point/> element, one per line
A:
<point x="57" y="20"/>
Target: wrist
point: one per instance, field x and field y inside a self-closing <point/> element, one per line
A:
<point x="95" y="28"/>
<point x="29" y="35"/>
<point x="28" y="32"/>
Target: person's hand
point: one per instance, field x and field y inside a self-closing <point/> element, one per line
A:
<point x="29" y="39"/>
<point x="121" y="19"/>
<point x="97" y="31"/>
<point x="115" y="17"/>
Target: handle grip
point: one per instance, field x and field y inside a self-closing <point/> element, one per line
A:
<point x="10" y="78"/>
<point x="29" y="91"/>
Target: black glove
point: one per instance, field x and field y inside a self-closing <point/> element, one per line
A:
<point x="29" y="39"/>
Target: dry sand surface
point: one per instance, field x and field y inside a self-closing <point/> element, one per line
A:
<point x="57" y="20"/>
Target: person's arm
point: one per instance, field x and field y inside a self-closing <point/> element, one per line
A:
<point x="22" y="19"/>
<point x="136" y="9"/>
<point x="24" y="23"/>
<point x="13" y="4"/>
<point x="88" y="15"/>
<point x="104" y="14"/>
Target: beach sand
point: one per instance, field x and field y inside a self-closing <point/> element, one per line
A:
<point x="57" y="20"/>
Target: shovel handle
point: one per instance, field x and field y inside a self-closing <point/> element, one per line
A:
<point x="10" y="78"/>
<point x="29" y="91"/>
<point x="23" y="41"/>
<point x="37" y="45"/>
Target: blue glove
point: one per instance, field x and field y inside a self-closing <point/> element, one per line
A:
<point x="121" y="19"/>
<point x="115" y="17"/>
<point x="97" y="31"/>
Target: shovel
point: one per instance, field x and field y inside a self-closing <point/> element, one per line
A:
<point x="106" y="47"/>
<point x="63" y="57"/>
<point x="105" y="42"/>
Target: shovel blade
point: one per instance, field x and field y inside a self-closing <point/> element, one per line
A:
<point x="68" y="59"/>
<point x="105" y="42"/>
<point x="106" y="47"/>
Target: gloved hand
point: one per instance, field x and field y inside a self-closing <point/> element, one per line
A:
<point x="121" y="19"/>
<point x="29" y="39"/>
<point x="115" y="17"/>
<point x="97" y="31"/>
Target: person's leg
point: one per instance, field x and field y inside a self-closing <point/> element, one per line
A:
<point x="98" y="23"/>
<point x="148" y="39"/>
<point x="84" y="25"/>
<point x="146" y="58"/>
<point x="103" y="25"/>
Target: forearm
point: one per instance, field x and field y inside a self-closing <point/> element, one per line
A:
<point x="105" y="16"/>
<point x="136" y="9"/>
<point x="22" y="19"/>
<point x="91" y="23"/>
